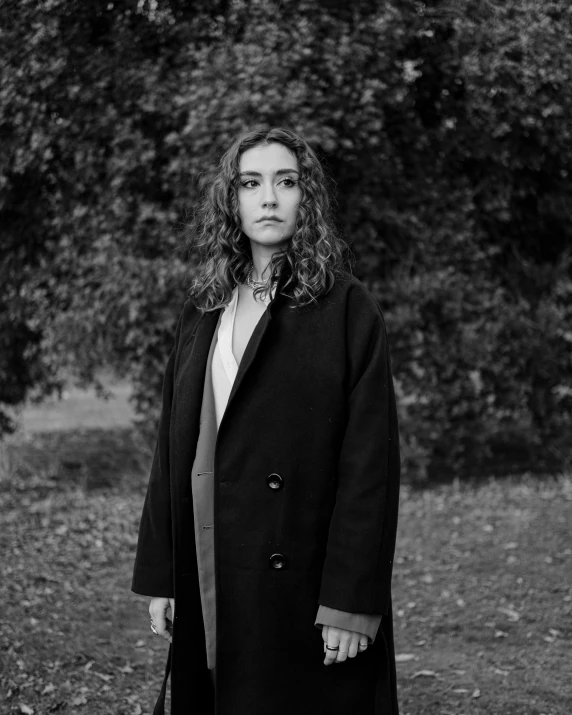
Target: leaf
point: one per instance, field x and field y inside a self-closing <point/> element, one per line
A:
<point x="50" y="687"/>
<point x="513" y="615"/>
<point x="405" y="657"/>
<point x="79" y="700"/>
<point x="26" y="709"/>
<point x="425" y="674"/>
<point x="103" y="676"/>
<point x="476" y="693"/>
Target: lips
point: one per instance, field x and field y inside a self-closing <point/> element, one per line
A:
<point x="276" y="220"/>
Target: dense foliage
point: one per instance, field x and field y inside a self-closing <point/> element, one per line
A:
<point x="442" y="123"/>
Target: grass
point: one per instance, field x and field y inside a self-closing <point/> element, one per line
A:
<point x="482" y="581"/>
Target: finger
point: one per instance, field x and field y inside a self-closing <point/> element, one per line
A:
<point x="363" y="643"/>
<point x="345" y="640"/>
<point x="354" y="643"/>
<point x="172" y="604"/>
<point x="157" y="611"/>
<point x="168" y="633"/>
<point x="325" y="630"/>
<point x="332" y="646"/>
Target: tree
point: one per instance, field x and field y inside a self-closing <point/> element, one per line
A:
<point x="441" y="124"/>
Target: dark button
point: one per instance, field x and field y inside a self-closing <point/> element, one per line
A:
<point x="278" y="561"/>
<point x="274" y="481"/>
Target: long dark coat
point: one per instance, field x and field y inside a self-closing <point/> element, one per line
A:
<point x="314" y="402"/>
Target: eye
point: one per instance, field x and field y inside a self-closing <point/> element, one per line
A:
<point x="290" y="183"/>
<point x="245" y="183"/>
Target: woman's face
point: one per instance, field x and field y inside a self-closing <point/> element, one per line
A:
<point x="269" y="195"/>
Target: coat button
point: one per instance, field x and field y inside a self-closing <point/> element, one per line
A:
<point x="274" y="481"/>
<point x="278" y="561"/>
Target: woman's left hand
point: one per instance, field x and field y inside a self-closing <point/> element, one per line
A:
<point x="348" y="643"/>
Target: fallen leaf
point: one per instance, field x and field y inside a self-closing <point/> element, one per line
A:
<point x="102" y="675"/>
<point x="80" y="700"/>
<point x="26" y="709"/>
<point x="511" y="545"/>
<point x="425" y="673"/>
<point x="50" y="687"/>
<point x="513" y="615"/>
<point x="405" y="657"/>
<point x="476" y="693"/>
<point x="460" y="690"/>
<point x="125" y="669"/>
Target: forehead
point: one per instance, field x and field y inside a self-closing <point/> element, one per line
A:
<point x="267" y="158"/>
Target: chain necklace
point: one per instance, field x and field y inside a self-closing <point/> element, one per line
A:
<point x="252" y="283"/>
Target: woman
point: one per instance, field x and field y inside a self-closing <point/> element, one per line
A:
<point x="269" y="524"/>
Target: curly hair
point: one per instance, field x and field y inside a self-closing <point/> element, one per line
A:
<point x="315" y="254"/>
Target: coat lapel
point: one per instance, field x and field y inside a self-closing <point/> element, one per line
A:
<point x="185" y="418"/>
<point x="189" y="387"/>
<point x="258" y="334"/>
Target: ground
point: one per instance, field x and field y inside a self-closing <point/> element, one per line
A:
<point x="482" y="590"/>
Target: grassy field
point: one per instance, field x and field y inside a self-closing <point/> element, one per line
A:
<point x="482" y="583"/>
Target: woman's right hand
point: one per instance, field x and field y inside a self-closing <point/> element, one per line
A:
<point x="158" y="611"/>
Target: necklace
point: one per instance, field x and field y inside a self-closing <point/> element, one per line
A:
<point x="252" y="283"/>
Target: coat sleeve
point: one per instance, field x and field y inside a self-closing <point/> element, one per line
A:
<point x="365" y="623"/>
<point x="153" y="569"/>
<point x="356" y="575"/>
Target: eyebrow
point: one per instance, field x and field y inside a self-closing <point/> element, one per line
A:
<point x="280" y="172"/>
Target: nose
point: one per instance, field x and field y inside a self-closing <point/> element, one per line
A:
<point x="269" y="200"/>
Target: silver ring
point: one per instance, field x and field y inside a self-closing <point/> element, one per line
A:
<point x="154" y="629"/>
<point x="329" y="648"/>
<point x="362" y="646"/>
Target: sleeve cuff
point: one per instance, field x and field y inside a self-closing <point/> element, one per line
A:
<point x="365" y="623"/>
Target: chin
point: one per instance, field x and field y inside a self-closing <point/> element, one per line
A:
<point x="275" y="240"/>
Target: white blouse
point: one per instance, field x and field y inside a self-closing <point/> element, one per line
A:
<point x="224" y="364"/>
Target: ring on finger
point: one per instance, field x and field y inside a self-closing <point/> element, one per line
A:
<point x="362" y="646"/>
<point x="154" y="629"/>
<point x="328" y="647"/>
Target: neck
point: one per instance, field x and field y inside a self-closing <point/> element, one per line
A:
<point x="261" y="256"/>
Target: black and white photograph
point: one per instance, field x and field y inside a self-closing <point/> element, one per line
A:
<point x="285" y="357"/>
